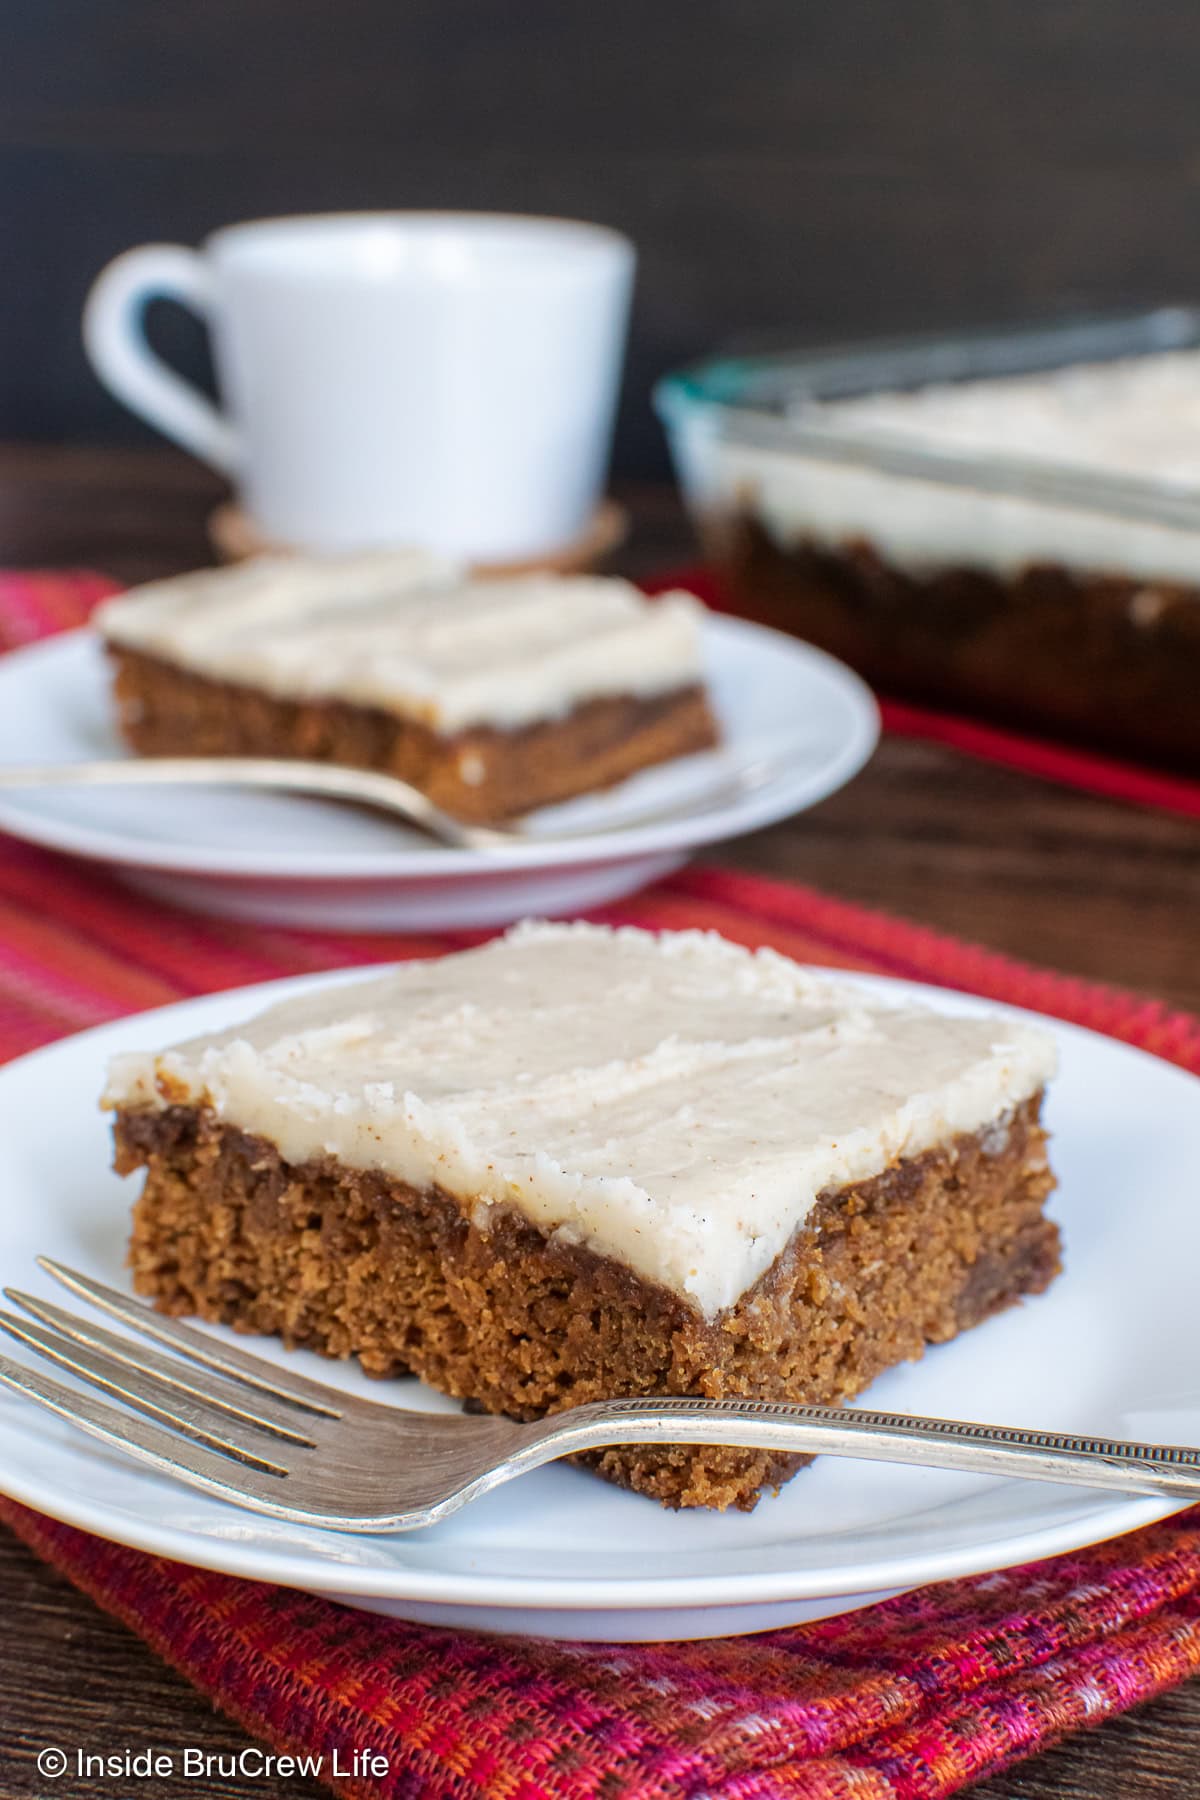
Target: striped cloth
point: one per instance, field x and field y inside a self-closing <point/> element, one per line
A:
<point x="911" y="1699"/>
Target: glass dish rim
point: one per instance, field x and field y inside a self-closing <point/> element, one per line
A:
<point x="719" y="392"/>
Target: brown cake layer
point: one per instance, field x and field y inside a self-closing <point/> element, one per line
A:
<point x="1100" y="659"/>
<point x="353" y="1263"/>
<point x="478" y="774"/>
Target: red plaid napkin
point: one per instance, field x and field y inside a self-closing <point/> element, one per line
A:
<point x="910" y="1699"/>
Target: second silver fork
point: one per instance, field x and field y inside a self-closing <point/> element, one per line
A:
<point x="375" y="789"/>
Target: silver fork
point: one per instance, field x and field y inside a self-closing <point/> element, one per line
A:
<point x="273" y="1441"/>
<point x="371" y="787"/>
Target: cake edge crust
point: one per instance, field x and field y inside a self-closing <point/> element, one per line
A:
<point x="1083" y="656"/>
<point x="515" y="1320"/>
<point x="480" y="774"/>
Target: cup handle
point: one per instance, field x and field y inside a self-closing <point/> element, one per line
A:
<point x="115" y="341"/>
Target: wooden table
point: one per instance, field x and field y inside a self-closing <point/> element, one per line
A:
<point x="1046" y="874"/>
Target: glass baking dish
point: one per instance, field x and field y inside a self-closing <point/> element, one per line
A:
<point x="1056" y="592"/>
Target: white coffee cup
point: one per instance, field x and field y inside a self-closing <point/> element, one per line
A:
<point x="443" y="379"/>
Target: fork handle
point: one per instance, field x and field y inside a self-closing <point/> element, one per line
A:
<point x="1120" y="1466"/>
<point x="292" y="775"/>
<point x="365" y="787"/>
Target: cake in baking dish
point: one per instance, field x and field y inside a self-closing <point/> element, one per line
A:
<point x="935" y="548"/>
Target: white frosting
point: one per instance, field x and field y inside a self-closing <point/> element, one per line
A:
<point x="1138" y="417"/>
<point x="1135" y="419"/>
<point x="675" y="1102"/>
<point x="410" y="634"/>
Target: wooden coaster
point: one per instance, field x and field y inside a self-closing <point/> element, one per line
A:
<point x="234" y="538"/>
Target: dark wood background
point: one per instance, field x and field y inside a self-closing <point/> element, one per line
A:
<point x="790" y="168"/>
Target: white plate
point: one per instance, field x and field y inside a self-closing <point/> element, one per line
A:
<point x="306" y="862"/>
<point x="560" y="1552"/>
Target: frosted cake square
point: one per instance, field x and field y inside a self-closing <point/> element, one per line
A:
<point x="492" y="696"/>
<point x="578" y="1163"/>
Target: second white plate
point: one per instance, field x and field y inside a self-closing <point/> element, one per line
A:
<point x="310" y="863"/>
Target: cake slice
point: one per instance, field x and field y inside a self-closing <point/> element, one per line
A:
<point x="492" y="696"/>
<point x="579" y="1163"/>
